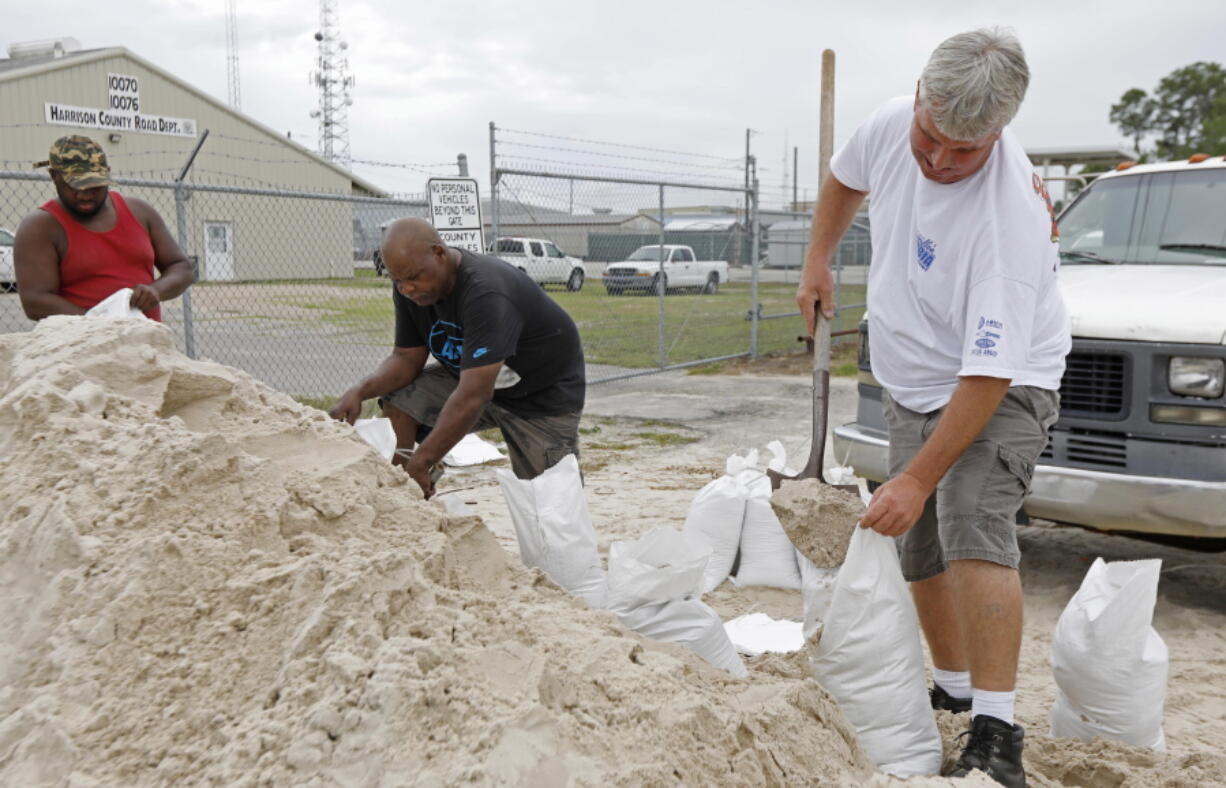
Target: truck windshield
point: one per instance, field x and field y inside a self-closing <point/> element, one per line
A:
<point x="1161" y="218"/>
<point x="647" y="253"/>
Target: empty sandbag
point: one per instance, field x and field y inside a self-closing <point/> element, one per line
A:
<point x="690" y="623"/>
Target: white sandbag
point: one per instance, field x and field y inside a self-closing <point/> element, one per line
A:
<point x="715" y="517"/>
<point x="117" y="304"/>
<point x="870" y="659"/>
<point x="1109" y="663"/>
<point x="660" y="566"/>
<point x="472" y="450"/>
<point x="379" y="434"/>
<point x="816" y="592"/>
<point x="690" y="623"/>
<point x="768" y="557"/>
<point x="757" y="633"/>
<point x="554" y="528"/>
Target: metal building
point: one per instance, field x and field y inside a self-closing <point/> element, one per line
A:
<point x="149" y="121"/>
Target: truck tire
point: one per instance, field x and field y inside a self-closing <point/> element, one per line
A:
<point x="575" y="283"/>
<point x="377" y="259"/>
<point x="712" y="285"/>
<point x="659" y="285"/>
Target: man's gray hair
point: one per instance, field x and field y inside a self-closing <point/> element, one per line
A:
<point x="974" y="83"/>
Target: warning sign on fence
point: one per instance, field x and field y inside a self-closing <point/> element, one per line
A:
<point x="455" y="211"/>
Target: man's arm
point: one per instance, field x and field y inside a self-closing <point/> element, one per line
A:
<point x="397" y="371"/>
<point x="36" y="260"/>
<point x="173" y="266"/>
<point x="898" y="503"/>
<point x="459" y="414"/>
<point x="836" y="208"/>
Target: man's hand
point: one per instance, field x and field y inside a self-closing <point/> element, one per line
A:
<point x="418" y="469"/>
<point x="348" y="407"/>
<point x="144" y="298"/>
<point x="897" y="505"/>
<point x="816" y="287"/>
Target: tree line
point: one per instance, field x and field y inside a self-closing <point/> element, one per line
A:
<point x="1185" y="114"/>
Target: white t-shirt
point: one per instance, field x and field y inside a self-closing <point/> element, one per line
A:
<point x="963" y="275"/>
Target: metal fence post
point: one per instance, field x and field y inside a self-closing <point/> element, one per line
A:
<point x="493" y="191"/>
<point x="662" y="285"/>
<point x="189" y="330"/>
<point x="754" y="316"/>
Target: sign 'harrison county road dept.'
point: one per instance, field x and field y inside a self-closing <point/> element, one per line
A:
<point x="455" y="211"/>
<point x="122" y="112"/>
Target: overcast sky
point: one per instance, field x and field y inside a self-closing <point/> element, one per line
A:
<point x="677" y="76"/>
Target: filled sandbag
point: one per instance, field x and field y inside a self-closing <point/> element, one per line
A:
<point x="1110" y="664"/>
<point x="768" y="557"/>
<point x="690" y="623"/>
<point x="660" y="566"/>
<point x="555" y="530"/>
<point x="715" y="517"/>
<point x="870" y="659"/>
<point x="816" y="593"/>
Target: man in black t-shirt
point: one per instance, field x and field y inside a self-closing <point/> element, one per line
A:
<point x="508" y="357"/>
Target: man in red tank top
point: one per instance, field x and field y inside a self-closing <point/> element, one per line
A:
<point x="90" y="242"/>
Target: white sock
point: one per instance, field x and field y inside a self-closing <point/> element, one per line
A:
<point x="956" y="682"/>
<point x="993" y="704"/>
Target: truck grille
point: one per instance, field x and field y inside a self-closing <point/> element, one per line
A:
<point x="1088" y="447"/>
<point x="1094" y="384"/>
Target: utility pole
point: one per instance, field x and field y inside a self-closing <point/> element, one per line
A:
<point x="462" y="163"/>
<point x="795" y="175"/>
<point x="331" y="76"/>
<point x="233" y="89"/>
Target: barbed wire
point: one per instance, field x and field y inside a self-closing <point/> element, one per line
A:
<point x="616" y="144"/>
<point x="722" y="165"/>
<point x="578" y="172"/>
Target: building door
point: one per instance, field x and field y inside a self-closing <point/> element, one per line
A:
<point x="218" y="251"/>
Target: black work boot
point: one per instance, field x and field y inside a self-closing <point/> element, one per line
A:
<point x="942" y="700"/>
<point x="995" y="748"/>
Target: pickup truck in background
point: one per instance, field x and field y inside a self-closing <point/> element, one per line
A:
<point x="1140" y="445"/>
<point x="643" y="270"/>
<point x="541" y="260"/>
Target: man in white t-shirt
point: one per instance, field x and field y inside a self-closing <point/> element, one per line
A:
<point x="968" y="337"/>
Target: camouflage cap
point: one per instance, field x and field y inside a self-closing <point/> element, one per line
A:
<point x="80" y="160"/>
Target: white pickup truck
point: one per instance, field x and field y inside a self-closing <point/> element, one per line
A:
<point x="541" y="260"/>
<point x="1140" y="446"/>
<point x="643" y="270"/>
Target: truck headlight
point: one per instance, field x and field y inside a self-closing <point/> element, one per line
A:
<point x="1191" y="376"/>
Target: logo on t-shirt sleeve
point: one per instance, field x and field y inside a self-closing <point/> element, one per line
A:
<point x="925" y="251"/>
<point x="987" y="336"/>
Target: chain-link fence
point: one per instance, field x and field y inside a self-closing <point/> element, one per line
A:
<point x="681" y="264"/>
<point x="658" y="271"/>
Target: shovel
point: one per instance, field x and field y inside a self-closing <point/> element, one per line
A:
<point x="821" y="407"/>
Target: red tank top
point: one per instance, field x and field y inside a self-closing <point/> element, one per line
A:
<point x="97" y="264"/>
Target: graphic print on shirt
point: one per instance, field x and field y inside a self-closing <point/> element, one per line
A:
<point x="447" y="343"/>
<point x="986" y="337"/>
<point x="925" y="251"/>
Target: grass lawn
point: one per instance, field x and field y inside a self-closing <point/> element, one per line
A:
<point x="618" y="330"/>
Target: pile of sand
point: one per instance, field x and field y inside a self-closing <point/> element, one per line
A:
<point x="208" y="583"/>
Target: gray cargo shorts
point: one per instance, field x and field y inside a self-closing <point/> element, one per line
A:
<point x="534" y="443"/>
<point x="972" y="514"/>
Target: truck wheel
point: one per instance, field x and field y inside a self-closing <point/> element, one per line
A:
<point x="712" y="285"/>
<point x="659" y="285"/>
<point x="380" y="269"/>
<point x="575" y="283"/>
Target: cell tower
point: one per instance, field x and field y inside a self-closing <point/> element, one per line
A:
<point x="234" y="93"/>
<point x="331" y="76"/>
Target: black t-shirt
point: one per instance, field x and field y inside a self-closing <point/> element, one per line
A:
<point x="496" y="313"/>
